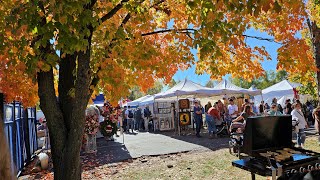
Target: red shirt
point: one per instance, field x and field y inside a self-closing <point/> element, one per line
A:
<point x="214" y="112"/>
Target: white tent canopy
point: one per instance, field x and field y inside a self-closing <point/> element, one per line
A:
<point x="226" y="87"/>
<point x="138" y="101"/>
<point x="185" y="88"/>
<point x="149" y="100"/>
<point x="282" y="91"/>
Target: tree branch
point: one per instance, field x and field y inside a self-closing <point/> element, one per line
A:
<point x="261" y="38"/>
<point x="113" y="11"/>
<point x="187" y="30"/>
<point x="67" y="67"/>
<point x="92" y="3"/>
<point x="96" y="79"/>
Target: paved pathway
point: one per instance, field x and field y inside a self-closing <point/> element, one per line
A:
<point x="141" y="144"/>
<point x="135" y="145"/>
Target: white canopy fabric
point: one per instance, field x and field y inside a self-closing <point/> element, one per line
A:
<point x="282" y="90"/>
<point x="227" y="87"/>
<point x="149" y="100"/>
<point x="138" y="101"/>
<point x="185" y="88"/>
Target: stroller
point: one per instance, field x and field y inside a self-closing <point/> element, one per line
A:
<point x="222" y="127"/>
<point x="236" y="138"/>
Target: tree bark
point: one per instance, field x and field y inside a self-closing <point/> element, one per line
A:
<point x="66" y="114"/>
<point x="315" y="35"/>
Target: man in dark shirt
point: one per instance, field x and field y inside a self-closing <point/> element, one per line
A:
<point x="288" y="107"/>
<point x="197" y="112"/>
<point x="261" y="107"/>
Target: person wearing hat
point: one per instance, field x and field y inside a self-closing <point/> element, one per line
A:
<point x="274" y="110"/>
<point x="197" y="114"/>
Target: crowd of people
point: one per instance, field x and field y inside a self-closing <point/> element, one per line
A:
<point x="227" y="111"/>
<point x="136" y="119"/>
<point x="303" y="115"/>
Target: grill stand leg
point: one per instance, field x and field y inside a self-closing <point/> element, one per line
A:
<point x="253" y="176"/>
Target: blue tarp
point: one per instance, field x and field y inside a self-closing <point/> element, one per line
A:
<point x="99" y="99"/>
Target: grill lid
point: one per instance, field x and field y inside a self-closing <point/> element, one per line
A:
<point x="267" y="132"/>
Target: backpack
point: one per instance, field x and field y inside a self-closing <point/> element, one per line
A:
<point x="130" y="115"/>
<point x="295" y="123"/>
<point x="147" y="113"/>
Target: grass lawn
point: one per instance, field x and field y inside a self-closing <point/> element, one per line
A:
<point x="192" y="165"/>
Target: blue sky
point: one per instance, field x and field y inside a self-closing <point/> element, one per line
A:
<point x="271" y="47"/>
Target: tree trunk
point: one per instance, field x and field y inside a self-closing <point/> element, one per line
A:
<point x="66" y="114"/>
<point x="317" y="58"/>
<point x="315" y="35"/>
<point x="65" y="128"/>
<point x="5" y="165"/>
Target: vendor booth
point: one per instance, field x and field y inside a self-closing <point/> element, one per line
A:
<point x="189" y="90"/>
<point x="166" y="107"/>
<point x="282" y="91"/>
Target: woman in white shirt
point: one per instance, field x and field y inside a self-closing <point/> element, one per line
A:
<point x="298" y="115"/>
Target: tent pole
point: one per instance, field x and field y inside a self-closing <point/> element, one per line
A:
<point x="263" y="104"/>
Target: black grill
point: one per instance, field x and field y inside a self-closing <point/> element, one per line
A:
<point x="268" y="144"/>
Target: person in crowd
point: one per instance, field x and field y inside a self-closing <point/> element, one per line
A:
<point x="298" y="101"/>
<point x="247" y="112"/>
<point x="316" y="116"/>
<point x="214" y="115"/>
<point x="147" y="116"/>
<point x="266" y="107"/>
<point x="246" y="102"/>
<point x="274" y="111"/>
<point x="207" y="107"/>
<point x="261" y="107"/>
<point x="288" y="107"/>
<point x="298" y="116"/>
<point x="197" y="114"/>
<point x="279" y="107"/>
<point x="254" y="108"/>
<point x="303" y="108"/>
<point x="232" y="109"/>
<point x="221" y="108"/>
<point x="238" y="124"/>
<point x="130" y="122"/>
<point x="309" y="113"/>
<point x="125" y="120"/>
<point x="138" y="119"/>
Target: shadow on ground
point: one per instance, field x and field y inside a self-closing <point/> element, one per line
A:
<point x="204" y="140"/>
<point x="107" y="152"/>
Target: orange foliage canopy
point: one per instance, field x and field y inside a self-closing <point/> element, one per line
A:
<point x="136" y="42"/>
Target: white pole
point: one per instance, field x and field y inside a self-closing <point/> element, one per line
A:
<point x="177" y="109"/>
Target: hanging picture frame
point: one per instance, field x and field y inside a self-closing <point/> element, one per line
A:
<point x="184" y="104"/>
<point x="185" y="118"/>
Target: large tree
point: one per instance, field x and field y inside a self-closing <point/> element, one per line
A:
<point x="67" y="51"/>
